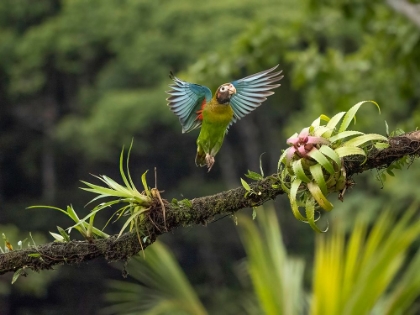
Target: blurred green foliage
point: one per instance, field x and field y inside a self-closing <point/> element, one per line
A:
<point x="362" y="272"/>
<point x="79" y="79"/>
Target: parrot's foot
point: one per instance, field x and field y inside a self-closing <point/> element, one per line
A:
<point x="209" y="161"/>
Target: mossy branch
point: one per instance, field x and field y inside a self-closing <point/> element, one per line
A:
<point x="186" y="213"/>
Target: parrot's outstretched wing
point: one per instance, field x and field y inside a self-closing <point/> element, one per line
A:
<point x="252" y="90"/>
<point x="186" y="101"/>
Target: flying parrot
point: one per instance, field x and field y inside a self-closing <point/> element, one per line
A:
<point x="196" y="107"/>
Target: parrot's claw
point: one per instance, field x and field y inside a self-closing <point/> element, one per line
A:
<point x="209" y="161"/>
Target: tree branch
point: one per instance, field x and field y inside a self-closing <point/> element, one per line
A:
<point x="185" y="213"/>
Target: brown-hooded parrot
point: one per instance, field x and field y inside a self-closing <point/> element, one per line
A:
<point x="196" y="107"/>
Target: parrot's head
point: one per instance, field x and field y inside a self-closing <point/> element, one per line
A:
<point x="224" y="93"/>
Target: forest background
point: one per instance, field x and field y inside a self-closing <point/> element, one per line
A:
<point x="80" y="79"/>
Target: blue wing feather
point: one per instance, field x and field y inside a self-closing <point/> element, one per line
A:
<point x="185" y="100"/>
<point x="252" y="90"/>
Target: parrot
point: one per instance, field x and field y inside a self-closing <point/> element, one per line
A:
<point x="196" y="107"/>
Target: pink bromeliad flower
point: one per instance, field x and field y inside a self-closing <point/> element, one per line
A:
<point x="303" y="144"/>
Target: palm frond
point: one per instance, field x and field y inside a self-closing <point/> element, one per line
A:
<point x="277" y="278"/>
<point x="164" y="289"/>
<point x="354" y="277"/>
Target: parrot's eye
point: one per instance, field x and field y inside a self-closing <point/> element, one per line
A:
<point x="223" y="89"/>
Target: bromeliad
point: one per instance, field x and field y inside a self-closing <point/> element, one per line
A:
<point x="196" y="107"/>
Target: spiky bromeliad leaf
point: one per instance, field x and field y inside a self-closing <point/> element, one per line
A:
<point x="327" y="151"/>
<point x="307" y="184"/>
<point x="322" y="160"/>
<point x="345" y="134"/>
<point x="299" y="171"/>
<point x="127" y="194"/>
<point x="333" y="122"/>
<point x="351" y="114"/>
<point x="346" y="151"/>
<point x="361" y="140"/>
<point x="318" y="176"/>
<point x="310" y="215"/>
<point x="319" y="196"/>
<point x="293" y="199"/>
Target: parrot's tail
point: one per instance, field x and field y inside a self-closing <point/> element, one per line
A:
<point x="200" y="158"/>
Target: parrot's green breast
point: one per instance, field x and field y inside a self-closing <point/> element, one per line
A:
<point x="216" y="119"/>
<point x="218" y="114"/>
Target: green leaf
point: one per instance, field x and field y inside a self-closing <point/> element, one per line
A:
<point x="48" y="207"/>
<point x="17" y="274"/>
<point x="63" y="233"/>
<point x="293" y="202"/>
<point x="327" y="151"/>
<point x="368" y="272"/>
<point x="344" y="134"/>
<point x="316" y="122"/>
<point x="277" y="278"/>
<point x="323" y="131"/>
<point x="319" y="196"/>
<point x="346" y="151"/>
<point x="299" y="171"/>
<point x="321" y="159"/>
<point x="162" y="286"/>
<point x="386" y="128"/>
<point x="261" y="168"/>
<point x="96" y="189"/>
<point x="332" y="123"/>
<point x="318" y="176"/>
<point x="324" y="118"/>
<point x="144" y="182"/>
<point x="351" y="113"/>
<point x="381" y="145"/>
<point x="99" y="233"/>
<point x="407" y="290"/>
<point x="132" y="219"/>
<point x="391" y="173"/>
<point x="133" y="187"/>
<point x="124" y="178"/>
<point x="36" y="255"/>
<point x="253" y="175"/>
<point x="282" y="160"/>
<point x="187" y="202"/>
<point x="72" y="213"/>
<point x="310" y="215"/>
<point x="33" y="241"/>
<point x="57" y="237"/>
<point x="115" y="186"/>
<point x="360" y="140"/>
<point x="245" y="185"/>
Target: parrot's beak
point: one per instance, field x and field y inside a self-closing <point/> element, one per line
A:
<point x="231" y="89"/>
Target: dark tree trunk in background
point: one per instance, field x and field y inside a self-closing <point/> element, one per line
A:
<point x="250" y="134"/>
<point x="1" y="179"/>
<point x="48" y="158"/>
<point x="228" y="166"/>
